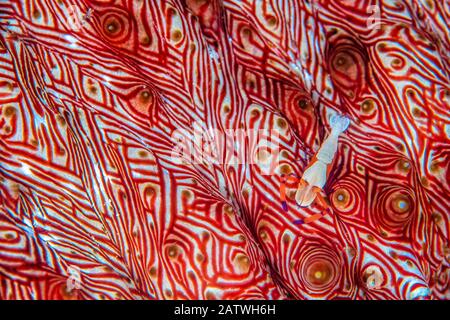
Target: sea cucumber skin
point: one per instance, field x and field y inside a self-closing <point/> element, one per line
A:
<point x="90" y="105"/>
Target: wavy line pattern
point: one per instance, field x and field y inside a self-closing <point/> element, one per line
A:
<point x="92" y="91"/>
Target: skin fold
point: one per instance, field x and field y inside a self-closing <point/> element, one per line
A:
<point x="98" y="97"/>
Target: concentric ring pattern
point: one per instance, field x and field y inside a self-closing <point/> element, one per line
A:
<point x="96" y="94"/>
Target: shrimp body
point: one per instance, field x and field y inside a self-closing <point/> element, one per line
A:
<point x="315" y="176"/>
